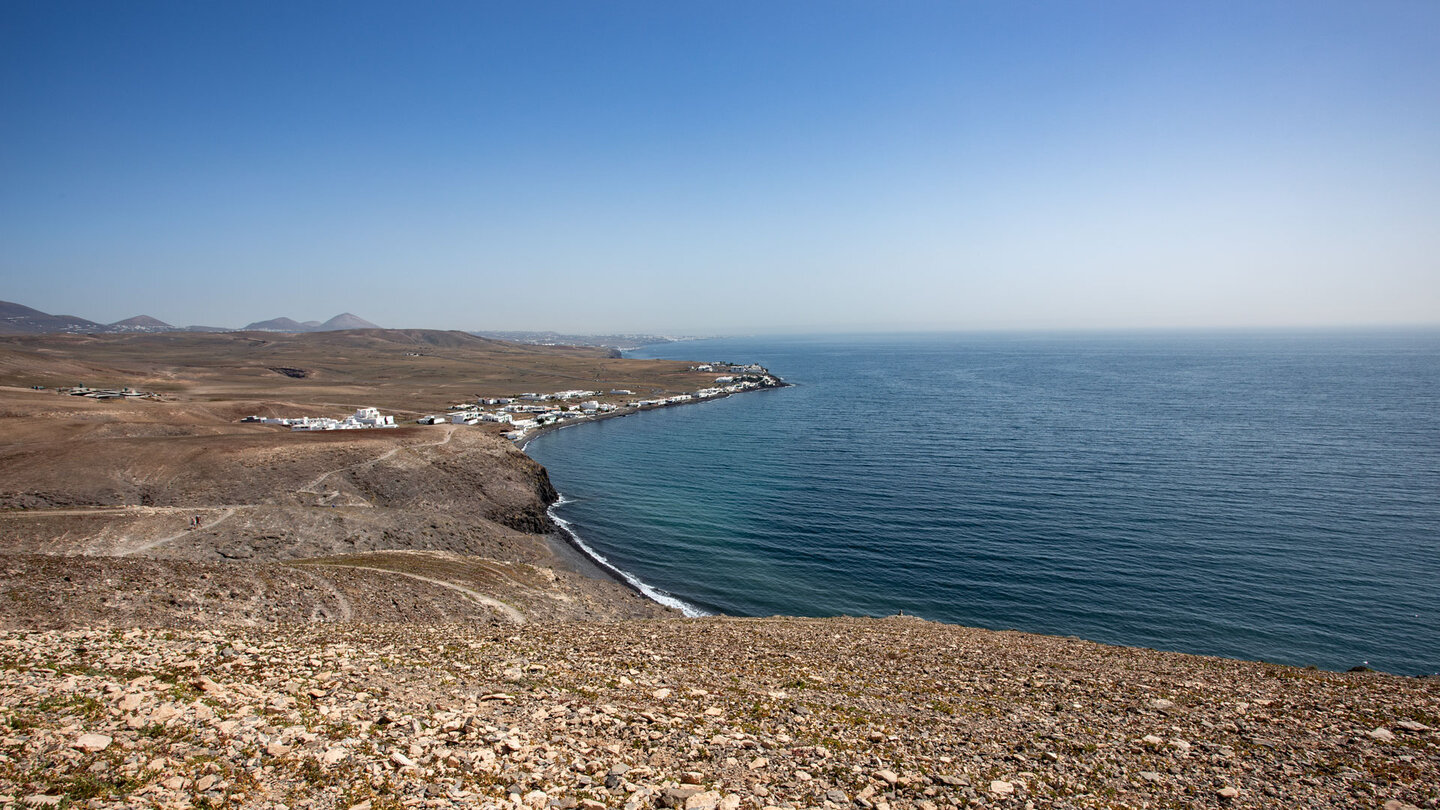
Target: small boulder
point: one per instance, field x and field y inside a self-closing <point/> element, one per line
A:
<point x="707" y="800"/>
<point x="93" y="743"/>
<point x="1000" y="787"/>
<point x="676" y="797"/>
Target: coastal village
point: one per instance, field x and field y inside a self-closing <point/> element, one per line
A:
<point x="526" y="412"/>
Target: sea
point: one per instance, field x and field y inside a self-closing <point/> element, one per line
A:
<point x="1262" y="496"/>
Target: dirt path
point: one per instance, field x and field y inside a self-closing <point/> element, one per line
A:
<point x="346" y="611"/>
<point x="226" y="513"/>
<point x="510" y="613"/>
<point x="312" y="488"/>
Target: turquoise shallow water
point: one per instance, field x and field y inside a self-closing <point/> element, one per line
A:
<point x="1271" y="497"/>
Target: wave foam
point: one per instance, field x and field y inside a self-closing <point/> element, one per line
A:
<point x="652" y="593"/>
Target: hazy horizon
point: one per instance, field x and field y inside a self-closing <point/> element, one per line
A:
<point x="707" y="169"/>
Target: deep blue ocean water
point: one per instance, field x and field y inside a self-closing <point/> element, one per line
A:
<point x="1262" y="496"/>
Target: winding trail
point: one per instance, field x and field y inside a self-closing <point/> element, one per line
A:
<point x="312" y="487"/>
<point x="510" y="613"/>
<point x="347" y="612"/>
<point x="226" y="513"/>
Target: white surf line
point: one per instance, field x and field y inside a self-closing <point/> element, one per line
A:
<point x="515" y="616"/>
<point x="649" y="591"/>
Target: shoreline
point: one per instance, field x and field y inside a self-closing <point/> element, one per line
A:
<point x="567" y="545"/>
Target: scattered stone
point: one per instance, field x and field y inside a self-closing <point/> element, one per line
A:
<point x="676" y="797"/>
<point x="93" y="743"/>
<point x="1382" y="734"/>
<point x="706" y="800"/>
<point x="405" y="715"/>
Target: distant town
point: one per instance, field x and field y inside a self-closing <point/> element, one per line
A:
<point x="528" y="411"/>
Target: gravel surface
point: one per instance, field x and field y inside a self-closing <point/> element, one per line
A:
<point x="707" y="714"/>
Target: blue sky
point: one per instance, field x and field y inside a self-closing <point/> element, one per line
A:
<point x="706" y="167"/>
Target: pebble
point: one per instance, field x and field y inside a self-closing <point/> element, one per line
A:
<point x="1001" y="788"/>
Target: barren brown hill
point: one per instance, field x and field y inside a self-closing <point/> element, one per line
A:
<point x="409" y="371"/>
<point x="123" y="479"/>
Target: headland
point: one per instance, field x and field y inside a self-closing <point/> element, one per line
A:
<point x="203" y="611"/>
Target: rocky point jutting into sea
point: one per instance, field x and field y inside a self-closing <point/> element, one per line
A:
<point x="373" y="619"/>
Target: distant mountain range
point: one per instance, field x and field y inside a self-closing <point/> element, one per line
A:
<point x="342" y="321"/>
<point x="559" y="339"/>
<point x="18" y="319"/>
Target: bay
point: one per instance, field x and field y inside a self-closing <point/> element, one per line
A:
<point x="1270" y="496"/>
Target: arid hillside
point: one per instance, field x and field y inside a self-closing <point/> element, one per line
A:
<point x="120" y="481"/>
<point x="405" y="371"/>
<point x="707" y="714"/>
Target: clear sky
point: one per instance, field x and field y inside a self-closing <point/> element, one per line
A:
<point x="713" y="167"/>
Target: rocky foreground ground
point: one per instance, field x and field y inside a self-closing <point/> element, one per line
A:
<point x="710" y="714"/>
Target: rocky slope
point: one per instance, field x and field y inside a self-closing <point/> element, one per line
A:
<point x="697" y="714"/>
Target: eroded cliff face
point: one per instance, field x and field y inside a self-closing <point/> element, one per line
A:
<point x="534" y="517"/>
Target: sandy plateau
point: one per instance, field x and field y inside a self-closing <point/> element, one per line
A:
<point x="384" y="618"/>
